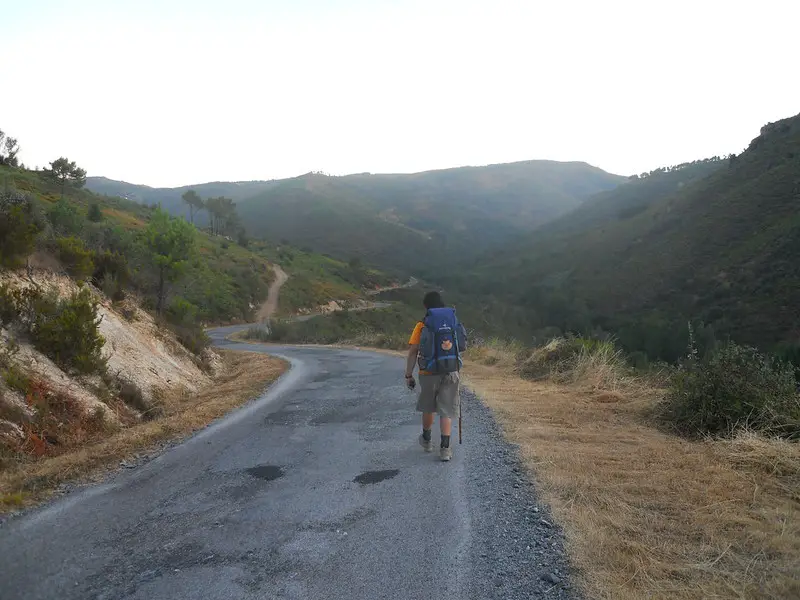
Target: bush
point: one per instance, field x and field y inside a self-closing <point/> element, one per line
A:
<point x="8" y="305"/>
<point x="591" y="362"/>
<point x="17" y="379"/>
<point x="19" y="305"/>
<point x="65" y="218"/>
<point x="75" y="257"/>
<point x="59" y="422"/>
<point x="181" y="312"/>
<point x="132" y="395"/>
<point x="550" y="359"/>
<point x="259" y="334"/>
<point x="182" y="315"/>
<point x="789" y="352"/>
<point x="193" y="338"/>
<point x="68" y="332"/>
<point x="736" y="387"/>
<point x="18" y="230"/>
<point x="111" y="274"/>
<point x="95" y="215"/>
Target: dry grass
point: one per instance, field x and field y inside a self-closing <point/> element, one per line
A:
<point x="648" y="515"/>
<point x="243" y="376"/>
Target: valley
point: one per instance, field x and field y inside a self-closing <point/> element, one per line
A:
<point x="652" y="316"/>
<point x="489" y="300"/>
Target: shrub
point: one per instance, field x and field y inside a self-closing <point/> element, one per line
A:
<point x="789" y="352"/>
<point x="182" y="315"/>
<point x="59" y="422"/>
<point x="181" y="312"/>
<point x="132" y="395"/>
<point x="17" y="379"/>
<point x="20" y="304"/>
<point x="75" y="257"/>
<point x="736" y="387"/>
<point x="68" y="332"/>
<point x="597" y="363"/>
<point x="95" y="215"/>
<point x="552" y="358"/>
<point x="111" y="274"/>
<point x="8" y="305"/>
<point x="8" y="351"/>
<point x="18" y="230"/>
<point x="65" y="218"/>
<point x="260" y="334"/>
<point x="193" y="338"/>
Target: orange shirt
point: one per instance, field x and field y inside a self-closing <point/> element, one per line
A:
<point x="415" y="339"/>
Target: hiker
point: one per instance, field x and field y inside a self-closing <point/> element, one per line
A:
<point x="435" y="347"/>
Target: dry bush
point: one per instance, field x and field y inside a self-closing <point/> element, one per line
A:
<point x="494" y="352"/>
<point x="59" y="422"/>
<point x="596" y="364"/>
<point x="131" y="394"/>
<point x="601" y="367"/>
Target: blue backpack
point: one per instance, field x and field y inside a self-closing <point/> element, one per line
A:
<point x="442" y="341"/>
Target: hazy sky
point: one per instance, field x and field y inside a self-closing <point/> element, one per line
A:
<point x="173" y="92"/>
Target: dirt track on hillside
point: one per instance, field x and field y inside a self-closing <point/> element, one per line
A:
<point x="271" y="305"/>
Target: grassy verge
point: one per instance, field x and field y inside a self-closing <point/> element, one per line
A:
<point x="648" y="514"/>
<point x="380" y="328"/>
<point x="243" y="376"/>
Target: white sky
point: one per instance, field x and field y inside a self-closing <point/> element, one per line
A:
<point x="173" y="92"/>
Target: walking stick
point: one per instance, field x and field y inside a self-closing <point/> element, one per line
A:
<point x="459" y="422"/>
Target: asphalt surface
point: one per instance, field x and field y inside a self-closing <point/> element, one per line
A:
<point x="319" y="489"/>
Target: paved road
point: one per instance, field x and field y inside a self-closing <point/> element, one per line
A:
<point x="317" y="490"/>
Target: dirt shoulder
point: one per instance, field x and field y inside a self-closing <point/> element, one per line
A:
<point x="242" y="377"/>
<point x="647" y="514"/>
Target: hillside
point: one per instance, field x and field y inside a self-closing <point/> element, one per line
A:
<point x="716" y="242"/>
<point x="410" y="222"/>
<point x="170" y="198"/>
<point x="224" y="282"/>
<point x="403" y="222"/>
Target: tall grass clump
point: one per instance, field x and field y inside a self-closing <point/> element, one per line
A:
<point x="574" y="360"/>
<point x="735" y="388"/>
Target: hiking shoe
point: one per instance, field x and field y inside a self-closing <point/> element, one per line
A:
<point x="427" y="445"/>
<point x="445" y="454"/>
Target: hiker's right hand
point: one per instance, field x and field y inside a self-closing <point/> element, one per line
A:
<point x="410" y="382"/>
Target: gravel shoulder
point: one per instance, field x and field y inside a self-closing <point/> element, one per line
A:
<point x="516" y="549"/>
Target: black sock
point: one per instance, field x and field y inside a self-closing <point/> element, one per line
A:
<point x="426" y="434"/>
<point x="445" y="441"/>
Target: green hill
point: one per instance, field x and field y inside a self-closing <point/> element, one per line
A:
<point x="717" y="242"/>
<point x="400" y="221"/>
<point x="170" y="198"/>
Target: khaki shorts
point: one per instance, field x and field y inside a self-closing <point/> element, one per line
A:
<point x="439" y="394"/>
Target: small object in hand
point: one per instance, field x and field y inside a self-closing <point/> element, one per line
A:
<point x="410" y="382"/>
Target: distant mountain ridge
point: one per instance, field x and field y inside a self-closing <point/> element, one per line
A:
<point x="171" y="197"/>
<point x="404" y="222"/>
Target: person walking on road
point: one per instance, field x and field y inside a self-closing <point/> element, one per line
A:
<point x="435" y="346"/>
